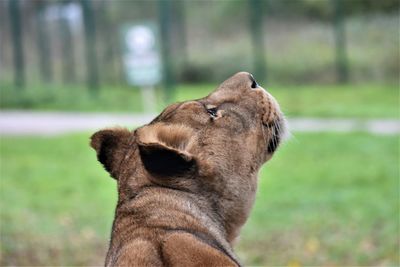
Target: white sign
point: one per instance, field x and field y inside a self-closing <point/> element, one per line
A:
<point x="141" y="56"/>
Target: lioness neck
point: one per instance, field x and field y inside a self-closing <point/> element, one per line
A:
<point x="158" y="210"/>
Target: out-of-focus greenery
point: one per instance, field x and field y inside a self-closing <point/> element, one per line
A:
<point x="299" y="51"/>
<point x="321" y="101"/>
<point x="318" y="9"/>
<point x="324" y="199"/>
<point x="56" y="202"/>
<point x="298" y="36"/>
<point x="327" y="200"/>
<point x="208" y="44"/>
<point x="321" y="10"/>
<point x="71" y="98"/>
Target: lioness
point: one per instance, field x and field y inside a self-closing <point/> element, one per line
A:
<point x="187" y="180"/>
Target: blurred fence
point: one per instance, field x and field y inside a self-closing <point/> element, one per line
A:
<point x="76" y="42"/>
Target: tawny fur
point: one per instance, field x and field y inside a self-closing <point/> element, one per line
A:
<point x="187" y="181"/>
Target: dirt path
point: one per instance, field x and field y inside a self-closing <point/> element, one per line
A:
<point x="52" y="123"/>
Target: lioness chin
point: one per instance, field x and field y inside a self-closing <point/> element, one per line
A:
<point x="187" y="180"/>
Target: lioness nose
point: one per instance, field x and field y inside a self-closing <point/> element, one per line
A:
<point x="249" y="80"/>
<point x="245" y="78"/>
<point x="254" y="83"/>
<point x="239" y="82"/>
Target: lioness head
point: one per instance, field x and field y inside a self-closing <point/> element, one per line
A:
<point x="212" y="147"/>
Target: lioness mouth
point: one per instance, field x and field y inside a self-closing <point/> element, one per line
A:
<point x="277" y="132"/>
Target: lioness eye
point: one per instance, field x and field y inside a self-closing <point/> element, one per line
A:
<point x="212" y="112"/>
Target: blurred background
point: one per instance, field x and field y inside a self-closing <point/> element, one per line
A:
<point x="329" y="197"/>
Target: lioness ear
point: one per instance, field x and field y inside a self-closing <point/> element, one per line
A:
<point x="109" y="145"/>
<point x="164" y="149"/>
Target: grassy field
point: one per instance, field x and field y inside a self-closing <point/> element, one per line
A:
<point x="318" y="101"/>
<point x="324" y="199"/>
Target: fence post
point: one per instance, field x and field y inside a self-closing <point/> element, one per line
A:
<point x="43" y="44"/>
<point x="67" y="46"/>
<point x="164" y="9"/>
<point x="107" y="53"/>
<point x="340" y="42"/>
<point x="180" y="24"/>
<point x="257" y="37"/>
<point x="90" y="46"/>
<point x="16" y="35"/>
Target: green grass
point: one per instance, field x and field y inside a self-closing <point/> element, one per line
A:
<point x="56" y="202"/>
<point x="324" y="199"/>
<point x="363" y="101"/>
<point x="328" y="199"/>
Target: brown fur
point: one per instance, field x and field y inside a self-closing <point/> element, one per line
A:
<point x="187" y="180"/>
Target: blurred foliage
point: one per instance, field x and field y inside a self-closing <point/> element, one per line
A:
<point x="324" y="199"/>
<point x="317" y="9"/>
<point x="322" y="9"/>
<point x="364" y="101"/>
<point x="211" y="40"/>
<point x="71" y="98"/>
<point x="298" y="51"/>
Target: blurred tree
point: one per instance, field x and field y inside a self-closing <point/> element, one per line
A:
<point x="67" y="45"/>
<point x="43" y="42"/>
<point x="18" y="53"/>
<point x="180" y="37"/>
<point x="340" y="42"/>
<point x="164" y="8"/>
<point x="320" y="9"/>
<point x="90" y="45"/>
<point x="369" y="6"/>
<point x="257" y="37"/>
<point x="106" y="45"/>
<point x="3" y="34"/>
